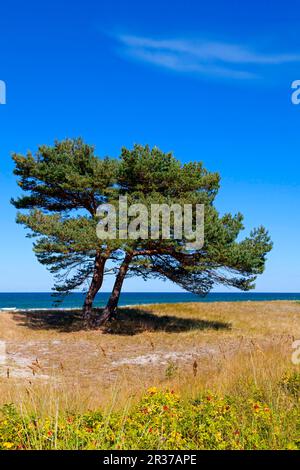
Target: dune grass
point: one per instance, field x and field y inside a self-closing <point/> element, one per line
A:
<point x="62" y="387"/>
<point x="258" y="418"/>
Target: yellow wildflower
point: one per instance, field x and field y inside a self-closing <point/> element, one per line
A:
<point x="8" y="445"/>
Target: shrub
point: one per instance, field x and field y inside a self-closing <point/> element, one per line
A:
<point x="163" y="420"/>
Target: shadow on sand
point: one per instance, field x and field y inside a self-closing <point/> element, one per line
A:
<point x="129" y="321"/>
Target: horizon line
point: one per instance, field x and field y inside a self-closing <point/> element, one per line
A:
<point x="156" y="292"/>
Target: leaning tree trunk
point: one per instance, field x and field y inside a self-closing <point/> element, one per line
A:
<point x="97" y="280"/>
<point x="113" y="301"/>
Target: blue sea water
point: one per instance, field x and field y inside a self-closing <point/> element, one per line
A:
<point x="38" y="300"/>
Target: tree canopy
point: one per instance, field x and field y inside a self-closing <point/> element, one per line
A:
<point x="64" y="184"/>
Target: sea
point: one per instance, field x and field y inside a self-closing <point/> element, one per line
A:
<point x="45" y="300"/>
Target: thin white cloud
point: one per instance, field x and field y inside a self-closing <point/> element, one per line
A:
<point x="203" y="57"/>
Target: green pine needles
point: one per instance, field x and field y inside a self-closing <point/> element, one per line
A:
<point x="64" y="184"/>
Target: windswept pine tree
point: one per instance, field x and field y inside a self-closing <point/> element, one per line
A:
<point x="63" y="186"/>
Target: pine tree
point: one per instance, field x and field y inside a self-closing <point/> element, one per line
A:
<point x="63" y="186"/>
<point x="151" y="176"/>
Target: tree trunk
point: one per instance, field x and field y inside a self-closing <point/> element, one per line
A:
<point x="98" y="275"/>
<point x="113" y="301"/>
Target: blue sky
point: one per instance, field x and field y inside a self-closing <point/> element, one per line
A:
<point x="209" y="80"/>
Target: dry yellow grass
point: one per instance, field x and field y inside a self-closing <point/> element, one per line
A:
<point x="51" y="362"/>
